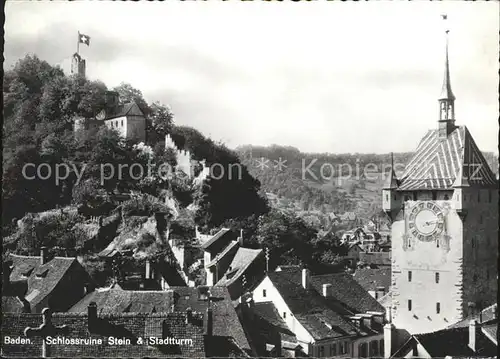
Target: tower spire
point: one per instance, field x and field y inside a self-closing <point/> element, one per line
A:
<point x="446" y="92"/>
<point x="447" y="98"/>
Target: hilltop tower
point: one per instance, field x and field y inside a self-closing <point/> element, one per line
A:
<point x="78" y="65"/>
<point x="444" y="231"/>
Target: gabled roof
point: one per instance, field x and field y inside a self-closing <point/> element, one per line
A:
<point x="229" y="250"/>
<point x="310" y="308"/>
<point x="116" y="301"/>
<point x="129" y="109"/>
<point x="377" y="258"/>
<point x="487" y="314"/>
<point x="243" y="258"/>
<point x="347" y="292"/>
<point x="41" y="279"/>
<point x="455" y="342"/>
<point x="126" y="325"/>
<point x="208" y="244"/>
<point x="436" y="163"/>
<point x="372" y="278"/>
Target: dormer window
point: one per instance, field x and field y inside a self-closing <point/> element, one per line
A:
<point x="27" y="272"/>
<point x="42" y="273"/>
<point x="446" y="197"/>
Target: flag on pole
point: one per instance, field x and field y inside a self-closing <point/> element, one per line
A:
<point x="83" y="39"/>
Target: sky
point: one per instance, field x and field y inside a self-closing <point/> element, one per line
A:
<point x="321" y="76"/>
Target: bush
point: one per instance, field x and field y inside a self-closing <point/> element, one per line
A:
<point x="144" y="205"/>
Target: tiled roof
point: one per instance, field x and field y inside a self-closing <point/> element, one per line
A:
<point x="206" y="246"/>
<point x="454" y="342"/>
<point x="436" y="162"/>
<point x="377" y="258"/>
<point x="41" y="279"/>
<point x="241" y="261"/>
<point x="12" y="304"/>
<point x="347" y="292"/>
<point x="371" y="278"/>
<point x="491" y="331"/>
<point x="486" y="315"/>
<point x="225" y="319"/>
<point x="268" y="312"/>
<point x="230" y="249"/>
<point x="130" y="108"/>
<point x="126" y="301"/>
<point x="126" y="325"/>
<point x="310" y="308"/>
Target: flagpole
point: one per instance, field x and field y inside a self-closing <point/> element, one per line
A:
<point x="78" y="44"/>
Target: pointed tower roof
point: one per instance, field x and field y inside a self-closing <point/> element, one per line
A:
<point x="391" y="181"/>
<point x="436" y="163"/>
<point x="446" y="92"/>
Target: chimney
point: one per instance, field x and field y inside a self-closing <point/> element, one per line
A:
<point x="473" y="335"/>
<point x="189" y="315"/>
<point x="240" y="238"/>
<point x="388" y="329"/>
<point x="44" y="255"/>
<point x="92" y="315"/>
<point x="148" y="269"/>
<point x="305" y="278"/>
<point x="327" y="290"/>
<point x="379" y="292"/>
<point x="209" y="325"/>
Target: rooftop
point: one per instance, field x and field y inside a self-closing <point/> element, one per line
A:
<point x="371" y="278"/>
<point x="436" y="162"/>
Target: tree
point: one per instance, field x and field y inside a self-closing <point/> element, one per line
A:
<point x="128" y="93"/>
<point x="287" y="237"/>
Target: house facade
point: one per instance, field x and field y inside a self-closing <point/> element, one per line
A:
<point x="323" y="322"/>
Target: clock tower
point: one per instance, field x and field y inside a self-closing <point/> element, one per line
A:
<point x="444" y="212"/>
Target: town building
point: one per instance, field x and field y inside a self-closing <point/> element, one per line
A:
<point x="32" y="283"/>
<point x="376" y="281"/>
<point x="227" y="263"/>
<point x="127" y="119"/>
<point x="187" y="334"/>
<point x="329" y="315"/>
<point x="225" y="321"/>
<point x="444" y="210"/>
<point x="475" y="340"/>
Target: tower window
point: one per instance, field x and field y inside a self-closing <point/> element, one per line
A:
<point x="122" y="123"/>
<point x="409" y="276"/>
<point x="409" y="304"/>
<point x="284" y="315"/>
<point x="437" y="243"/>
<point x="437" y="277"/>
<point x="264" y="292"/>
<point x="438" y="308"/>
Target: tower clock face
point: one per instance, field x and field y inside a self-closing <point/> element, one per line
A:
<point x="426" y="221"/>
